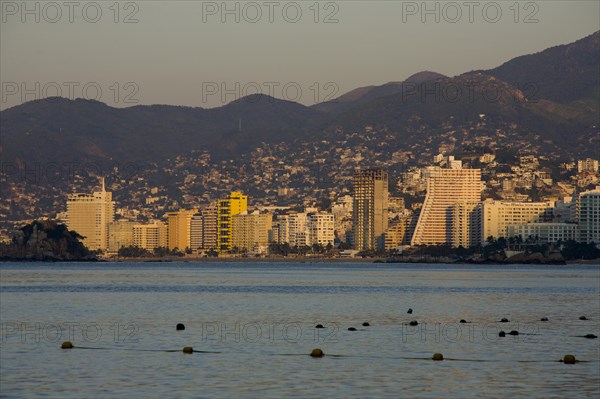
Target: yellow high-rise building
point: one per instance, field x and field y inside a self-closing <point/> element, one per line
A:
<point x="234" y="204"/>
<point x="179" y="228"/>
<point x="89" y="215"/>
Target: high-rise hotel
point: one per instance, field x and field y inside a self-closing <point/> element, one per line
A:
<point x="370" y="208"/>
<point x="89" y="215"/>
<point x="442" y="220"/>
<point x="179" y="229"/>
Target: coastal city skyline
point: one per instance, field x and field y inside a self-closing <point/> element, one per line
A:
<point x="453" y="213"/>
<point x="299" y="199"/>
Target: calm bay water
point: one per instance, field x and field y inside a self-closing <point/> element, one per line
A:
<point x="255" y="324"/>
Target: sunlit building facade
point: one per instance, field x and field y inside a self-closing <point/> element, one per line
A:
<point x="89" y="215"/>
<point x="232" y="205"/>
<point x="445" y="189"/>
<point x="179" y="229"/>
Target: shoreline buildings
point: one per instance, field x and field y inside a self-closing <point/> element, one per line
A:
<point x="452" y="214"/>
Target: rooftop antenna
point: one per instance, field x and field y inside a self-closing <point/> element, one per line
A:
<point x="103" y="186"/>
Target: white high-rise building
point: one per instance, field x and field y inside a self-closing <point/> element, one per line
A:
<point x="150" y="236"/>
<point x="445" y="189"/>
<point x="196" y="229"/>
<point x="296" y="229"/>
<point x="283" y="235"/>
<point x="466" y="224"/>
<point x="89" y="215"/>
<point x="320" y="228"/>
<point x="588" y="216"/>
<point x="496" y="216"/>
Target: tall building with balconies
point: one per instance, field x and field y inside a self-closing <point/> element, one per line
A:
<point x="89" y="215"/>
<point x="234" y="204"/>
<point x="150" y="236"/>
<point x="445" y="189"/>
<point x="370" y="208"/>
<point x="209" y="227"/>
<point x="196" y="230"/>
<point x="250" y="232"/>
<point x="321" y="229"/>
<point x="588" y="216"/>
<point x="466" y="224"/>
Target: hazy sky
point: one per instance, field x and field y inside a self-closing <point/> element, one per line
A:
<point x="183" y="53"/>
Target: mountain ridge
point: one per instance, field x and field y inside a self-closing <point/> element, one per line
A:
<point x="90" y="131"/>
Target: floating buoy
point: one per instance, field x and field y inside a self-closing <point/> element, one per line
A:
<point x="502" y="334"/>
<point x="582" y="318"/>
<point x="462" y="321"/>
<point x="504" y="320"/>
<point x="414" y="323"/>
<point x="188" y="349"/>
<point x="514" y="332"/>
<point x="366" y="324"/>
<point x="180" y="327"/>
<point x="409" y="311"/>
<point x="319" y="326"/>
<point x="544" y="319"/>
<point x="590" y="336"/>
<point x="351" y="329"/>
<point x="438" y="356"/>
<point x="67" y="345"/>
<point x="317" y="353"/>
<point x="569" y="359"/>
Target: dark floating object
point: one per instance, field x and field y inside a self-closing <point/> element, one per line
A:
<point x="319" y="326"/>
<point x="188" y="349"/>
<point x="504" y="320"/>
<point x="514" y="332"/>
<point x="317" y="353"/>
<point x="544" y="319"/>
<point x="502" y="334"/>
<point x="590" y="336"/>
<point x="66" y="345"/>
<point x="583" y="318"/>
<point x="180" y="327"/>
<point x="569" y="359"/>
<point x="414" y="323"/>
<point x="351" y="329"/>
<point x="366" y="324"/>
<point x="438" y="356"/>
<point x="462" y="321"/>
<point x="409" y="311"/>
